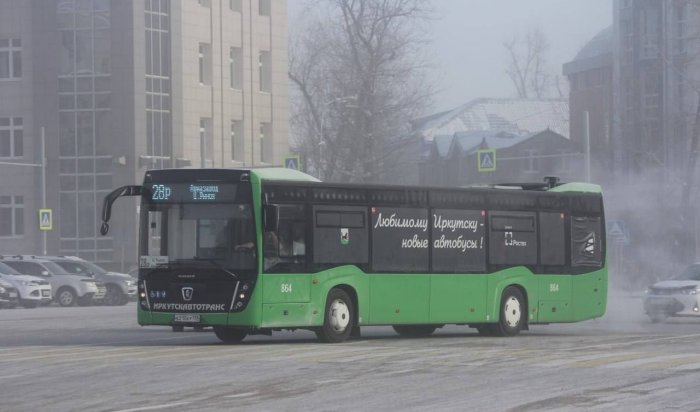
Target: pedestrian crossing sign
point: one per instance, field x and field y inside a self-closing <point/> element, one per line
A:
<point x="45" y="219"/>
<point x="292" y="162"/>
<point x="487" y="160"/>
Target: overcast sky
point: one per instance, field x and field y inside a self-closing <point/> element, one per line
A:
<point x="468" y="36"/>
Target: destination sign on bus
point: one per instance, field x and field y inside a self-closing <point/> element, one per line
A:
<point x="192" y="192"/>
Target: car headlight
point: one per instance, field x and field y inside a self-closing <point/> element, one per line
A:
<point x="695" y="291"/>
<point x="26" y="283"/>
<point x="129" y="283"/>
<point x="2" y="289"/>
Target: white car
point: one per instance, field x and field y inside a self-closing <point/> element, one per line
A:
<point x="67" y="288"/>
<point x="121" y="287"/>
<point x="33" y="291"/>
<point x="679" y="296"/>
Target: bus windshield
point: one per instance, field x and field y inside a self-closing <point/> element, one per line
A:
<point x="220" y="233"/>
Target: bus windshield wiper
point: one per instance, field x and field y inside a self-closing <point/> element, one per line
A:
<point x="213" y="262"/>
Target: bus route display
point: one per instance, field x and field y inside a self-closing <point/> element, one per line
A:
<point x="191" y="192"/>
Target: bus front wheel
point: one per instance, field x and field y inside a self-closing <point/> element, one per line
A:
<point x="339" y="319"/>
<point x="229" y="335"/>
<point x="513" y="307"/>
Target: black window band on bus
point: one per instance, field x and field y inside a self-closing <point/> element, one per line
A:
<point x="340" y="219"/>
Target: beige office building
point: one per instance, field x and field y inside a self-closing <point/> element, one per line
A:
<point x="120" y="86"/>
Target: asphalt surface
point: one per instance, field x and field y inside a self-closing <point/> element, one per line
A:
<point x="99" y="359"/>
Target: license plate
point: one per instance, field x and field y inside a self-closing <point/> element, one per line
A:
<point x="188" y="318"/>
<point x="13" y="294"/>
<point x="46" y="293"/>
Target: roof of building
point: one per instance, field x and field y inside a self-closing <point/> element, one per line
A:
<point x="470" y="142"/>
<point x="596" y="53"/>
<point x="514" y="116"/>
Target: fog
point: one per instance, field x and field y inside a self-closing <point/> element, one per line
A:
<point x="466" y="40"/>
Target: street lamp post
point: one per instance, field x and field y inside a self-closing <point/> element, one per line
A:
<point x="42" y="165"/>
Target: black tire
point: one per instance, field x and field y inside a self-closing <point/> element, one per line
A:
<point x="485" y="329"/>
<point x="29" y="304"/>
<point x="513" y="311"/>
<point x="229" y="335"/>
<point x="66" y="297"/>
<point x="414" y="331"/>
<point x="178" y="328"/>
<point x="114" y="296"/>
<point x="338" y="319"/>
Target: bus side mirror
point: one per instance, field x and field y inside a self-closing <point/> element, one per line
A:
<point x="271" y="218"/>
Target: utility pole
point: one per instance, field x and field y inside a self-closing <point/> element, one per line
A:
<point x="587" y="143"/>
<point x="43" y="178"/>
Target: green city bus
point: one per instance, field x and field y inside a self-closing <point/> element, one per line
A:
<point x="252" y="251"/>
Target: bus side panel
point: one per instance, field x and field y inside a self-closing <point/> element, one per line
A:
<point x="555" y="293"/>
<point x="397" y="299"/>
<point x="590" y="298"/>
<point x="285" y="288"/>
<point x="458" y="298"/>
<point x="498" y="281"/>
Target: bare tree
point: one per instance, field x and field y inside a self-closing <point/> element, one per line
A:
<point x="358" y="79"/>
<point x="527" y="63"/>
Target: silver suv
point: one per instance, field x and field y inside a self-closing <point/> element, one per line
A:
<point x="120" y="287"/>
<point x="68" y="288"/>
<point x="32" y="290"/>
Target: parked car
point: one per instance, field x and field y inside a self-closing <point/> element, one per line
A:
<point x="120" y="287"/>
<point x="67" y="288"/>
<point x="32" y="291"/>
<point x="8" y="295"/>
<point x="679" y="296"/>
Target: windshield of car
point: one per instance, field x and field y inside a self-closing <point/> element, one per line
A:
<point x="58" y="270"/>
<point x="692" y="272"/>
<point x="78" y="268"/>
<point x="8" y="270"/>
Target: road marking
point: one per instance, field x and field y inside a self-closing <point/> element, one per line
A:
<point x="242" y="395"/>
<point x="668" y="362"/>
<point x="626" y="343"/>
<point x="11" y="376"/>
<point x="155" y="407"/>
<point x="607" y="360"/>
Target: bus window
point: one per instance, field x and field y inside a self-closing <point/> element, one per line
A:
<point x="340" y="235"/>
<point x="458" y="241"/>
<point x="586" y="241"/>
<point x="513" y="238"/>
<point x="284" y="250"/>
<point x="400" y="239"/>
<point x="552" y="244"/>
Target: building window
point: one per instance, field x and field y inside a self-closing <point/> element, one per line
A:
<point x="235" y="5"/>
<point x="204" y="63"/>
<point x="264" y="7"/>
<point x="265" y="142"/>
<point x="10" y="58"/>
<point x="11" y="137"/>
<point x="206" y="142"/>
<point x="237" y="148"/>
<point x="236" y="67"/>
<point x="11" y="216"/>
<point x="265" y="72"/>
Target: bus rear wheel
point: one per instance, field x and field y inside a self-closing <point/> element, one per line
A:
<point x="338" y="320"/>
<point x="414" y="331"/>
<point x="229" y="335"/>
<point x="511" y="318"/>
